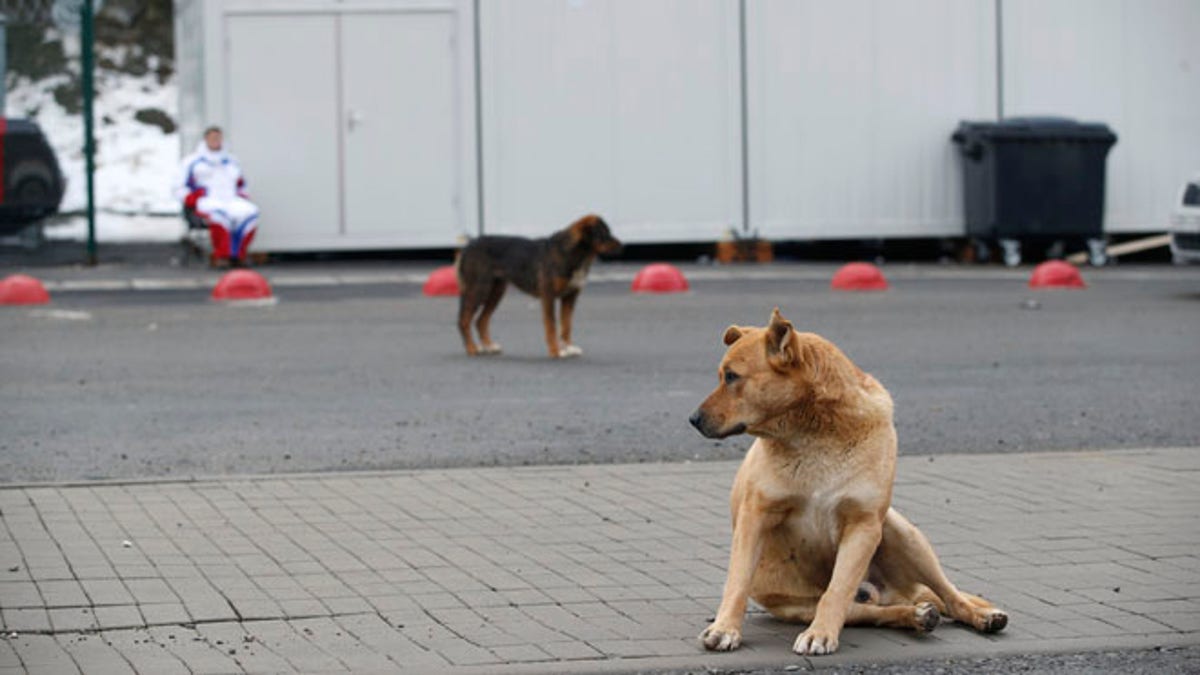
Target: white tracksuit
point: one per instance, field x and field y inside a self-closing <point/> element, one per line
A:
<point x="223" y="203"/>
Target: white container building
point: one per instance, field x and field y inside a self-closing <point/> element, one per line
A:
<point x="393" y="124"/>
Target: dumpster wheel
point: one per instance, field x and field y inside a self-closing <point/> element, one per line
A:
<point x="1097" y="252"/>
<point x="981" y="251"/>
<point x="1012" y="252"/>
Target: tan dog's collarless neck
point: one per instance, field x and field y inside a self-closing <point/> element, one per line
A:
<point x="821" y="420"/>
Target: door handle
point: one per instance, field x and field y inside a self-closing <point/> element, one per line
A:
<point x="353" y="119"/>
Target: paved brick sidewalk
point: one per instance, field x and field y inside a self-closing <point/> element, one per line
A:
<point x="560" y="569"/>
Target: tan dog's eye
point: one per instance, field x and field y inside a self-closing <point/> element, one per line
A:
<point x="731" y="377"/>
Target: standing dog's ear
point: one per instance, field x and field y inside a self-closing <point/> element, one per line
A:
<point x="781" y="347"/>
<point x="732" y="335"/>
<point x="581" y="230"/>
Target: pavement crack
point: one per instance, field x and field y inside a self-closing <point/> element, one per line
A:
<point x="231" y="606"/>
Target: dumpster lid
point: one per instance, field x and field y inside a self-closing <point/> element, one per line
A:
<point x="1035" y="128"/>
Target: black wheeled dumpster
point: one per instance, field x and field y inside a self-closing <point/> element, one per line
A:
<point x="1034" y="180"/>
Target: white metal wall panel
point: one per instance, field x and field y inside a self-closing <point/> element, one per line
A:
<point x="622" y="107"/>
<point x="284" y="75"/>
<point x="1134" y="65"/>
<point x="399" y="118"/>
<point x="282" y="123"/>
<point x="631" y="108"/>
<point x="851" y="107"/>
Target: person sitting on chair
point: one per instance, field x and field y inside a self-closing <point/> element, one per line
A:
<point x="212" y="185"/>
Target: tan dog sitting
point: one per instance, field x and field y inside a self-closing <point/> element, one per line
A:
<point x="815" y="539"/>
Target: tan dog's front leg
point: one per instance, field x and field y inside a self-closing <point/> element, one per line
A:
<point x="725" y="633"/>
<point x="859" y="540"/>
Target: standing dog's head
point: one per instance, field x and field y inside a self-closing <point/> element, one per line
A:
<point x="766" y="373"/>
<point x="592" y="233"/>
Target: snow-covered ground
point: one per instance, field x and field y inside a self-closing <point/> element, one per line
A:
<point x="136" y="163"/>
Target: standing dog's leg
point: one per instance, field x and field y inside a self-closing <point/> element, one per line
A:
<point x="725" y="633"/>
<point x="468" y="302"/>
<point x="485" y="317"/>
<point x="568" y="310"/>
<point x="548" y="322"/>
<point x="860" y="538"/>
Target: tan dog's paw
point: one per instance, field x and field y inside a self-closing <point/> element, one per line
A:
<point x="993" y="621"/>
<point x="569" y="351"/>
<point x="718" y="639"/>
<point x="490" y="348"/>
<point x="815" y="642"/>
<point x="927" y="617"/>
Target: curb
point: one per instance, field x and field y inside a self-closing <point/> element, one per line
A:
<point x="541" y="468"/>
<point x="622" y="273"/>
<point x="742" y="659"/>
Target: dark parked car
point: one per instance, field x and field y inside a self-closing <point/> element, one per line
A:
<point x="31" y="184"/>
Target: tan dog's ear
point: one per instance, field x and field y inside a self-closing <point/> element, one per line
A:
<point x="781" y="348"/>
<point x="732" y="335"/>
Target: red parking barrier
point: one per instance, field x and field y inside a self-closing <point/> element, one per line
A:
<point x="859" y="276"/>
<point x="442" y="281"/>
<point x="21" y="289"/>
<point x="241" y="285"/>
<point x="659" y="278"/>
<point x="1056" y="274"/>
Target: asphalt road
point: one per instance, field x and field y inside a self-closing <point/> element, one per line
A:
<point x="155" y="383"/>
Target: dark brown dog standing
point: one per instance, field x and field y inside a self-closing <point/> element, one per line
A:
<point x="551" y="269"/>
<point x="815" y="539"/>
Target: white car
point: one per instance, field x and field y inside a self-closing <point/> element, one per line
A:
<point x="1185" y="224"/>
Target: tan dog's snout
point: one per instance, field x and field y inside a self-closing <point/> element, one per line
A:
<point x="711" y="427"/>
<point x="703" y="423"/>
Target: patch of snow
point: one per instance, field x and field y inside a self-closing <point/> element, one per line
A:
<point x="136" y="163"/>
<point x="116" y="228"/>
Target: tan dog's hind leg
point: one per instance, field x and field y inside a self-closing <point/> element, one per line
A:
<point x="725" y="633"/>
<point x="922" y="617"/>
<point x="859" y="540"/>
<point x="907" y="561"/>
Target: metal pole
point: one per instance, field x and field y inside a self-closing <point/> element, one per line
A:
<point x="87" y="49"/>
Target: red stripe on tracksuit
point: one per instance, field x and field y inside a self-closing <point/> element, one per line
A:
<point x="219" y="237"/>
